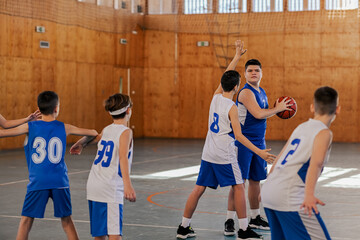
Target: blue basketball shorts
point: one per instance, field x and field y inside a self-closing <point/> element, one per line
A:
<point x="296" y="225"/>
<point x="105" y="218"/>
<point x="212" y="174"/>
<point x="35" y="202"/>
<point x="252" y="166"/>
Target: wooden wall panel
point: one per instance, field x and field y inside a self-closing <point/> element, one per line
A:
<point x="43" y="76"/>
<point x="161" y="111"/>
<point x="122" y="51"/>
<point x="136" y="47"/>
<point x="105" y="85"/>
<point x="267" y="48"/>
<point x="3" y="35"/>
<point x="105" y="53"/>
<point x="137" y="96"/>
<point x="49" y="36"/>
<point x="66" y="42"/>
<point x="340" y="49"/>
<point x="86" y="45"/>
<point x="298" y="48"/>
<point x="86" y="93"/>
<point x="348" y="120"/>
<point x="19" y="37"/>
<point x="159" y="49"/>
<point x="192" y="56"/>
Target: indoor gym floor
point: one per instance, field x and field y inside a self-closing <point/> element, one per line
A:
<point x="163" y="175"/>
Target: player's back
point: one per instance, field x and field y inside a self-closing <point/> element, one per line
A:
<point x="284" y="187"/>
<point x="219" y="145"/>
<point x="45" y="150"/>
<point x="251" y="127"/>
<point x="105" y="182"/>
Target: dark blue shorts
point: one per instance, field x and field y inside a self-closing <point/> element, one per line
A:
<point x="35" y="202"/>
<point x="212" y="174"/>
<point x="252" y="166"/>
<point x="296" y="225"/>
<point x="105" y="218"/>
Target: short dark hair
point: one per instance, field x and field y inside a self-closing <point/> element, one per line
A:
<point x="229" y="80"/>
<point x="116" y="102"/>
<point x="252" y="62"/>
<point x="47" y="102"/>
<point x="325" y="100"/>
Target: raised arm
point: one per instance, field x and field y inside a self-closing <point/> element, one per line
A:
<point x="124" y="145"/>
<point x="22" y="129"/>
<point x="247" y="98"/>
<point x="321" y="145"/>
<point x="239" y="45"/>
<point x="14" y="123"/>
<point x="264" y="154"/>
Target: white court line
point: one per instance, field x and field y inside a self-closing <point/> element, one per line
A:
<point x="151" y="226"/>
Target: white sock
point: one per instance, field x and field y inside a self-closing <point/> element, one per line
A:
<point x="230" y="215"/>
<point x="185" y="222"/>
<point x="254" y="213"/>
<point x="243" y="223"/>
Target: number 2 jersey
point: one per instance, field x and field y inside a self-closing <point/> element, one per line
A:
<point x="44" y="150"/>
<point x="105" y="183"/>
<point x="219" y="146"/>
<point x="284" y="189"/>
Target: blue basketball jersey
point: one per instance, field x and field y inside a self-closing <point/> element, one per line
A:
<point x="254" y="129"/>
<point x="44" y="150"/>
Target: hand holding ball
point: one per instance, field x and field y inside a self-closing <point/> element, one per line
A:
<point x="291" y="105"/>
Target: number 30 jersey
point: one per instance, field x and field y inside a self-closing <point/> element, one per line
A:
<point x="44" y="150"/>
<point x="105" y="183"/>
<point x="284" y="189"/>
<point x="219" y="145"/>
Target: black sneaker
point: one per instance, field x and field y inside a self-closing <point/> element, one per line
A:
<point x="248" y="234"/>
<point x="184" y="233"/>
<point x="229" y="227"/>
<point x="259" y="223"/>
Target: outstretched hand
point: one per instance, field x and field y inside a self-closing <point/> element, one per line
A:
<point x="239" y="45"/>
<point x="310" y="203"/>
<point x="268" y="157"/>
<point x="76" y="149"/>
<point x="34" y="116"/>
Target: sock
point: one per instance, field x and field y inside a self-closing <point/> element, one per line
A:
<point x="243" y="223"/>
<point x="230" y="215"/>
<point x="185" y="222"/>
<point x="254" y="213"/>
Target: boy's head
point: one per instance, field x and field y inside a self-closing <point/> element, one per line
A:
<point x="326" y="101"/>
<point x="229" y="80"/>
<point x="254" y="62"/>
<point x="118" y="105"/>
<point x="47" y="102"/>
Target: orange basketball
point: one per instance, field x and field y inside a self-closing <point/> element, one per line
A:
<point x="287" y="113"/>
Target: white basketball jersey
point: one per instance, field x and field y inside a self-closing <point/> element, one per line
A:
<point x="219" y="145"/>
<point x="284" y="189"/>
<point x="105" y="183"/>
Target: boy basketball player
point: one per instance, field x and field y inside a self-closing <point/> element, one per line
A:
<point x="14" y="123"/>
<point x="253" y="110"/>
<point x="109" y="179"/>
<point x="45" y="150"/>
<point x="219" y="164"/>
<point x="291" y="183"/>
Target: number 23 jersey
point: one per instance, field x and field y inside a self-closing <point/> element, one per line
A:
<point x="284" y="189"/>
<point x="105" y="183"/>
<point x="219" y="146"/>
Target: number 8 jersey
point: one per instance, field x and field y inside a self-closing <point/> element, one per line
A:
<point x="219" y="146"/>
<point x="44" y="150"/>
<point x="284" y="189"/>
<point x="105" y="182"/>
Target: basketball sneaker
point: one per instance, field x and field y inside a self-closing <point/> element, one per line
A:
<point x="229" y="227"/>
<point x="259" y="223"/>
<point x="248" y="234"/>
<point x="184" y="233"/>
